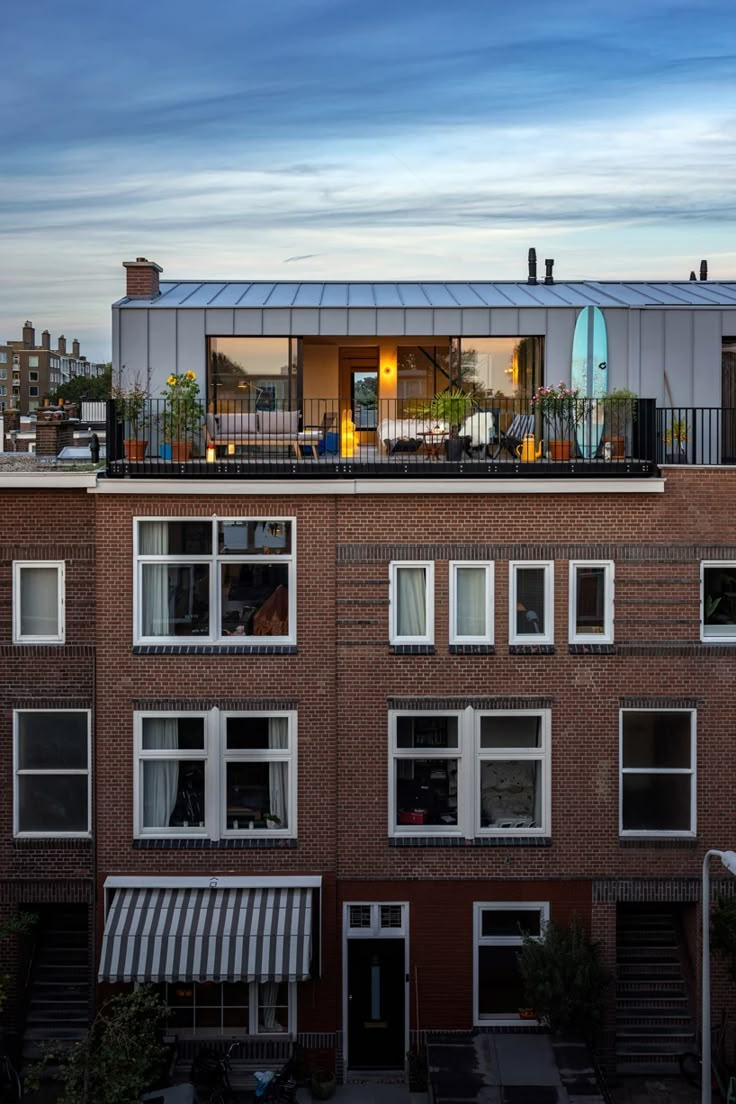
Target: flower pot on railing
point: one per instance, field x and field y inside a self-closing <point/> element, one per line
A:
<point x="135" y="448"/>
<point x="560" y="449"/>
<point x="181" y="451"/>
<point x="183" y="414"/>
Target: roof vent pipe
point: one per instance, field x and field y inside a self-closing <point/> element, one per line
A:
<point x="532" y="279"/>
<point x="548" y="266"/>
<point x="693" y="276"/>
<point x="703" y="270"/>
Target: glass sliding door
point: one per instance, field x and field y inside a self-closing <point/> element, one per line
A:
<point x="501" y="367"/>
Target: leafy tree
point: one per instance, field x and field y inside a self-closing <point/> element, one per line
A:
<point x="564" y="979"/>
<point x="86" y="388"/>
<point x="119" y="1059"/>
<point x="22" y="924"/>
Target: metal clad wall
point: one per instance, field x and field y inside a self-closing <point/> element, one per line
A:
<point x="248" y="322"/>
<point x="161" y="345"/>
<point x="678" y="355"/>
<point x="531" y="321"/>
<point x="418" y="321"/>
<point x="192" y="355"/>
<point x="707" y="358"/>
<point x="652" y="355"/>
<point x="634" y="352"/>
<point x="504" y="321"/>
<point x="362" y="322"/>
<point x="219" y="323"/>
<point x="558" y="345"/>
<point x="334" y="320"/>
<point x="617" y="326"/>
<point x="134" y="347"/>
<point x="115" y="344"/>
<point x="476" y="323"/>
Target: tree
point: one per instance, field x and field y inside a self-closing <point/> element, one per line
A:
<point x="121" y="1056"/>
<point x="86" y="388"/>
<point x="564" y="979"/>
<point x="22" y="924"/>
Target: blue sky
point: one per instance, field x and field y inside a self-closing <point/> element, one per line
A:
<point x="311" y="139"/>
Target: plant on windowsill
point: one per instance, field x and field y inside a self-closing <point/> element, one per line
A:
<point x="560" y="410"/>
<point x="183" y="414"/>
<point x="675" y="440"/>
<point x="273" y="821"/>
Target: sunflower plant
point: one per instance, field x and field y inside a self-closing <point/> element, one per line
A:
<point x="183" y="411"/>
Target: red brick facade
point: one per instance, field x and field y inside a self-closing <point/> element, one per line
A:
<point x="344" y="677"/>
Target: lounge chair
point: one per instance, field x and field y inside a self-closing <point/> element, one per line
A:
<point x="521" y="426"/>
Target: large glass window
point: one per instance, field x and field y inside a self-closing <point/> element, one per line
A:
<point x="52" y="772"/>
<point x="225" y="580"/>
<point x="411" y="602"/>
<point x="38" y="602"/>
<point x="207" y="1009"/>
<point x="252" y="373"/>
<point x="531" y="602"/>
<point x="470" y="773"/>
<point x="421" y="371"/>
<point x="498" y="930"/>
<point x="498" y="367"/>
<point x="657" y="772"/>
<point x="215" y="774"/>
<point x="591" y="602"/>
<point x="718" y="601"/>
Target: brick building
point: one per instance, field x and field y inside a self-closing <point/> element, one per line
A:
<point x="29" y="372"/>
<point x="362" y="712"/>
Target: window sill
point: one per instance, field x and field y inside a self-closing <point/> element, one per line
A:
<point x="69" y="843"/>
<point x="411" y="649"/>
<point x="663" y="842"/>
<point x="531" y="649"/>
<point x="214" y="649"/>
<point x="478" y="841"/>
<point x="197" y="843"/>
<point x="472" y="649"/>
<point x="592" y="649"/>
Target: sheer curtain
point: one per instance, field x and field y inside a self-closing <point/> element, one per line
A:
<point x="470" y="590"/>
<point x="278" y="737"/>
<point x="411" y="601"/>
<point x="154" y="541"/>
<point x="160" y="778"/>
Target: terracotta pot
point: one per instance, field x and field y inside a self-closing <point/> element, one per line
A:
<point x="180" y="451"/>
<point x="560" y="450"/>
<point x="135" y="448"/>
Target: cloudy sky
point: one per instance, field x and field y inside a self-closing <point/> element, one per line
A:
<point x="320" y="139"/>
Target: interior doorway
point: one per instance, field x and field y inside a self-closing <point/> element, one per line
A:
<point x="359" y="389"/>
<point x="375" y="985"/>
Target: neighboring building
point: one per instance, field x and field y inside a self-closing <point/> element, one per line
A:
<point x="29" y="372"/>
<point x="360" y="712"/>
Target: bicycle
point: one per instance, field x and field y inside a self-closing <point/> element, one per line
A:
<point x="691" y="1063"/>
<point x="10" y="1085"/>
<point x="211" y="1070"/>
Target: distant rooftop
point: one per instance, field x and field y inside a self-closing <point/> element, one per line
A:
<point x="198" y="294"/>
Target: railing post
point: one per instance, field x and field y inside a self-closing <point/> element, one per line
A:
<point x="111" y="433"/>
<point x="647" y="422"/>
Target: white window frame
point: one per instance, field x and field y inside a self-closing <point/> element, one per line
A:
<point x="606" y="637"/>
<point x="713" y="638"/>
<point x="469" y="757"/>
<point x="233" y="1032"/>
<point x="214" y="561"/>
<point x="539" y="755"/>
<point x="33" y="360"/>
<point x="56" y="772"/>
<point x="29" y="565"/>
<point x="394" y="570"/>
<point x="479" y="940"/>
<point x="33" y="376"/>
<point x="691" y="771"/>
<point x="548" y="636"/>
<point x="33" y="391"/>
<point x="215" y="756"/>
<point x="488" y="567"/>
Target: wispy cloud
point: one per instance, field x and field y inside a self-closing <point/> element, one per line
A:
<point x="412" y="139"/>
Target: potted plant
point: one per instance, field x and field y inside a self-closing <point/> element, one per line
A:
<point x="560" y="410"/>
<point x="323" y="1084"/>
<point x="131" y="413"/>
<point x="450" y="408"/>
<point x="675" y="439"/>
<point x="183" y="413"/>
<point x="621" y="409"/>
<point x="273" y="821"/>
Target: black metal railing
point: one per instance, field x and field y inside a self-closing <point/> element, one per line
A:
<point x="496" y="437"/>
<point x="696" y="435"/>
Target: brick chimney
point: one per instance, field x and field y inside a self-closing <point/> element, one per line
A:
<point x="75" y="349"/>
<point x="62" y="345"/>
<point x="45" y="340"/>
<point x="141" y="278"/>
<point x="29" y="336"/>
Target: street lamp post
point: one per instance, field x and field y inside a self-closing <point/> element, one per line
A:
<point x="728" y="858"/>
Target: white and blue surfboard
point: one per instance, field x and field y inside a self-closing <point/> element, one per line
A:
<point x="590" y="376"/>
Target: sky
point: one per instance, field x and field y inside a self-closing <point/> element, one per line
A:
<point x="339" y="139"/>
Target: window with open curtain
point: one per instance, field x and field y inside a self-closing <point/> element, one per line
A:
<point x="411" y="601"/>
<point x="471" y="590"/>
<point x="278" y="737"/>
<point x="154" y="541"/>
<point x="160" y="776"/>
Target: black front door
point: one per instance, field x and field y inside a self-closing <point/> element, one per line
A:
<point x="376" y="1003"/>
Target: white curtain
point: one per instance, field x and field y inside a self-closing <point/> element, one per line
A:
<point x="470" y="590"/>
<point x="411" y="601"/>
<point x="269" y="992"/>
<point x="39" y="601"/>
<point x="154" y="541"/>
<point x="160" y="779"/>
<point x="278" y="737"/>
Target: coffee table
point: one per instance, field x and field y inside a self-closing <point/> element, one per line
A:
<point x="434" y="441"/>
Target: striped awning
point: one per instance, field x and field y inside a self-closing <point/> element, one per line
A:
<point x="207" y="935"/>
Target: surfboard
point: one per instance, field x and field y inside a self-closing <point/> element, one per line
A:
<point x="590" y="376"/>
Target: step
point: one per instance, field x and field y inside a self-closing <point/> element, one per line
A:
<point x="57" y="1031"/>
<point x="674" y="1043"/>
<point x="646" y="938"/>
<point x="662" y="970"/>
<point x="65" y="1016"/>
<point x="647" y="954"/>
<point x="653" y="1020"/>
<point x="652" y="1002"/>
<point x="641" y="1065"/>
<point x="72" y="956"/>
